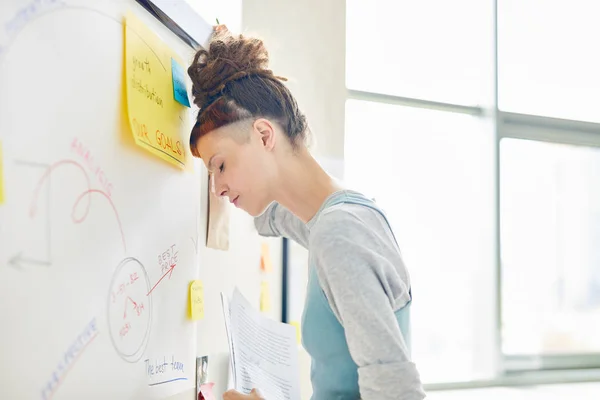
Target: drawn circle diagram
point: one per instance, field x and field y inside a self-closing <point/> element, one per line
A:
<point x="129" y="310"/>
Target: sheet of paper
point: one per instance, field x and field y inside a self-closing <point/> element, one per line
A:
<point x="196" y="300"/>
<point x="265" y="353"/>
<point x="227" y="318"/>
<point x="1" y="176"/>
<point x="265" y="258"/>
<point x="156" y="118"/>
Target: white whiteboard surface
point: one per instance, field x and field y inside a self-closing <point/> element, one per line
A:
<point x="85" y="300"/>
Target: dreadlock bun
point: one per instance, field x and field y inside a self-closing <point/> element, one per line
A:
<point x="229" y="58"/>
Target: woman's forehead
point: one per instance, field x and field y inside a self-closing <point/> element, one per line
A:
<point x="215" y="142"/>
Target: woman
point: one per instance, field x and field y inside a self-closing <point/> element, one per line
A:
<point x="251" y="136"/>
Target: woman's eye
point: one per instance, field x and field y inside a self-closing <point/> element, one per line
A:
<point x="222" y="167"/>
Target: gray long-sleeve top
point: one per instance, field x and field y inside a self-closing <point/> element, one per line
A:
<point x="365" y="281"/>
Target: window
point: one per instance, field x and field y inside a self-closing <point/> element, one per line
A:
<point x="429" y="49"/>
<point x="495" y="197"/>
<point x="429" y="170"/>
<point x="548" y="64"/>
<point x="550" y="208"/>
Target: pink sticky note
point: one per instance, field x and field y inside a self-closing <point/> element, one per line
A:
<point x="207" y="391"/>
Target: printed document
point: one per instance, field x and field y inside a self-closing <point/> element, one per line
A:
<point x="263" y="352"/>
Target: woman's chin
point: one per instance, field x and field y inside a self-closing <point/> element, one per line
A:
<point x="254" y="209"/>
<point x="254" y="212"/>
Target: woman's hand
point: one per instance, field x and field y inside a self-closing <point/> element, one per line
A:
<point x="220" y="28"/>
<point x="233" y="395"/>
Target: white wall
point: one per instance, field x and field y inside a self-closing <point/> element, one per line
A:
<point x="229" y="12"/>
<point x="308" y="47"/>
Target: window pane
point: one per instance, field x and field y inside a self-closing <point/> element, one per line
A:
<point x="429" y="49"/>
<point x="548" y="62"/>
<point x="432" y="173"/>
<point x="550" y="235"/>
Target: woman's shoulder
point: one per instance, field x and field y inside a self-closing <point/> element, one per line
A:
<point x="348" y="222"/>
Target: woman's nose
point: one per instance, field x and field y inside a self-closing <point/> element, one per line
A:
<point x="218" y="188"/>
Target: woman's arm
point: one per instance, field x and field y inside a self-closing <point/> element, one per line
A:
<point x="364" y="279"/>
<point x="279" y="221"/>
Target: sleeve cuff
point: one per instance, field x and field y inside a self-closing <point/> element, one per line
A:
<point x="390" y="381"/>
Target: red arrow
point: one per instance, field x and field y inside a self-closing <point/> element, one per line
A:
<point x="134" y="306"/>
<point x="169" y="272"/>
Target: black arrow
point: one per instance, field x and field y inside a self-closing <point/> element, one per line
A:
<point x="18" y="261"/>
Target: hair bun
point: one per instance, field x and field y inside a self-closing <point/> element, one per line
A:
<point x="227" y="59"/>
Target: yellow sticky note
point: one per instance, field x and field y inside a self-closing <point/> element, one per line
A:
<point x="196" y="300"/>
<point x="265" y="297"/>
<point x="1" y="177"/>
<point x="296" y="324"/>
<point x="265" y="258"/>
<point x="156" y="118"/>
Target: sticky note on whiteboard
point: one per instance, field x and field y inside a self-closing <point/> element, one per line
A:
<point x="155" y="117"/>
<point x="296" y="324"/>
<point x="196" y="300"/>
<point x="265" y="258"/>
<point x="265" y="297"/>
<point x="179" y="89"/>
<point x="1" y="176"/>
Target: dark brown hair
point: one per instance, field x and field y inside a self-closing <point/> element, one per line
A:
<point x="232" y="82"/>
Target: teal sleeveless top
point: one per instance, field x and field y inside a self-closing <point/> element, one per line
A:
<point x="334" y="374"/>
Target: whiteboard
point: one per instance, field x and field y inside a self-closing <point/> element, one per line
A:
<point x="99" y="239"/>
<point x="91" y="223"/>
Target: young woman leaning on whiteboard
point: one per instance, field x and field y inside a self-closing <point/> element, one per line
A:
<point x="251" y="136"/>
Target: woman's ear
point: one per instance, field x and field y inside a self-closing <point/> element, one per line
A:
<point x="266" y="132"/>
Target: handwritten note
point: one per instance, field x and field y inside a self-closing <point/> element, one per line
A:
<point x="69" y="358"/>
<point x="27" y="13"/>
<point x="154" y="115"/>
<point x="196" y="300"/>
<point x="265" y="258"/>
<point x="1" y="177"/>
<point x="164" y="370"/>
<point x="265" y="297"/>
<point x="167" y="260"/>
<point x="92" y="165"/>
<point x="129" y="310"/>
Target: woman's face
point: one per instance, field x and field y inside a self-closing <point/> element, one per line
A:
<point x="240" y="161"/>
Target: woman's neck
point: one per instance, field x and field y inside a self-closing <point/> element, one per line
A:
<point x="303" y="185"/>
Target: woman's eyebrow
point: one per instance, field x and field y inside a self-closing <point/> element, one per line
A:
<point x="210" y="166"/>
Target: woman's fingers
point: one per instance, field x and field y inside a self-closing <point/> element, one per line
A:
<point x="235" y="395"/>
<point x="220" y="28"/>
